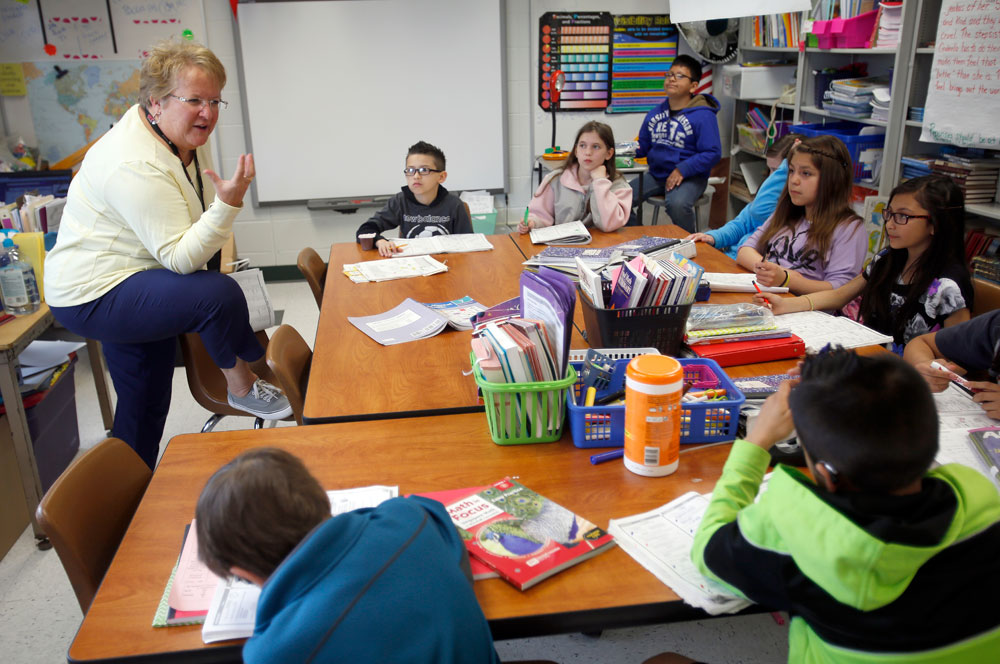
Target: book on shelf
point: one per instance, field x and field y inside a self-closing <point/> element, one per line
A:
<point x="859" y="86"/>
<point x="233" y="608"/>
<point x="188" y="594"/>
<point x="573" y="232"/>
<point x="522" y="535"/>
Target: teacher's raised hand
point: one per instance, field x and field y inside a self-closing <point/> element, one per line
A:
<point x="232" y="191"/>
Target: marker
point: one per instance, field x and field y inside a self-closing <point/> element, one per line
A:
<point x="525" y="222"/>
<point x="955" y="379"/>
<point x="767" y="302"/>
<point x="607" y="456"/>
<point x="591" y="395"/>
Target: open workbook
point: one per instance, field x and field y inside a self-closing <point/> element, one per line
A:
<point x="411" y="320"/>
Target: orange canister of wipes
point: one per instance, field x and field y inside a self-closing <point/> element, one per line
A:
<point x="653" y="414"/>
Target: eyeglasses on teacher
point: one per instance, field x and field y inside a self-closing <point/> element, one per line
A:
<point x="899" y="218"/>
<point x="214" y="104"/>
<point x="423" y="170"/>
<point x="672" y="76"/>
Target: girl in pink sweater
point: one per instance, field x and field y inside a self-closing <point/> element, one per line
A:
<point x="588" y="188"/>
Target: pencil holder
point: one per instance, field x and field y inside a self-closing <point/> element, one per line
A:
<point x="520" y="413"/>
<point x="703" y="422"/>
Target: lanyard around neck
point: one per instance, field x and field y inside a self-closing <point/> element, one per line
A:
<point x="200" y="189"/>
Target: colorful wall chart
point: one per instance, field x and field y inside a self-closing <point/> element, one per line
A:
<point x="580" y="46"/>
<point x="643" y="48"/>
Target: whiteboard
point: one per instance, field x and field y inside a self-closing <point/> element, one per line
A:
<point x="336" y="92"/>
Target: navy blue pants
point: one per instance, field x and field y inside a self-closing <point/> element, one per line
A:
<point x="138" y="322"/>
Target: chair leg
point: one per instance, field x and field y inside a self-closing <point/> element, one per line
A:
<point x="656" y="214"/>
<point x="258" y="423"/>
<point x="212" y="421"/>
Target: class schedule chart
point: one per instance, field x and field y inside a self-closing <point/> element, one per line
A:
<point x="643" y="48"/>
<point x="579" y="45"/>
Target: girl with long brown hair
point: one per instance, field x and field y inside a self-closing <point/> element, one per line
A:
<point x="814" y="241"/>
<point x="588" y="188"/>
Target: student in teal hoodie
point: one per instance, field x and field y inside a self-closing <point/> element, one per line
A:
<point x="680" y="140"/>
<point x="388" y="584"/>
<point x="877" y="557"/>
<point x="734" y="233"/>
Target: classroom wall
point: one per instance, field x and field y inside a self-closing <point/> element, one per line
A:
<point x="274" y="235"/>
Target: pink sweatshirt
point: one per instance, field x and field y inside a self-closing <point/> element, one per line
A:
<point x="561" y="198"/>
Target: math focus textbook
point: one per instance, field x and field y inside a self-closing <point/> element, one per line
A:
<point x="525" y="537"/>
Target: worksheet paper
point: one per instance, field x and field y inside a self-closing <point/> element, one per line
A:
<point x="817" y="329"/>
<point x="394" y="268"/>
<point x="234" y="604"/>
<point x="660" y="540"/>
<point x="957" y="413"/>
<point x="442" y="244"/>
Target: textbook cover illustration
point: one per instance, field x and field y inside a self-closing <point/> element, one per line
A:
<point x="524" y="536"/>
<point x="986" y="442"/>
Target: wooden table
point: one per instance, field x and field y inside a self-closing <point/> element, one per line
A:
<point x="355" y="378"/>
<point x="418" y="454"/>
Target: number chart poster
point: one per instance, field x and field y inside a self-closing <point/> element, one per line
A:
<point x="643" y="48"/>
<point x="965" y="75"/>
<point x="579" y="45"/>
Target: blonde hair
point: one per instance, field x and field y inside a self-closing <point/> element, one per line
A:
<point x="166" y="61"/>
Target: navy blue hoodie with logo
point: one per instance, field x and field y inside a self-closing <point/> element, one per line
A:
<point x="686" y="139"/>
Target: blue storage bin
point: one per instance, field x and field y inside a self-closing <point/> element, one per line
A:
<point x="848" y="133"/>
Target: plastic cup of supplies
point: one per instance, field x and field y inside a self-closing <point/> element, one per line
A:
<point x="653" y="386"/>
<point x="367" y="241"/>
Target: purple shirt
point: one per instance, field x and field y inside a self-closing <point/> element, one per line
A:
<point x="842" y="262"/>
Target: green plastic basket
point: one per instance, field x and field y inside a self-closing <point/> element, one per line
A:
<point x="520" y="413"/>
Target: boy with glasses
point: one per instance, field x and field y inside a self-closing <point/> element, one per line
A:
<point x="680" y="140"/>
<point x="423" y="208"/>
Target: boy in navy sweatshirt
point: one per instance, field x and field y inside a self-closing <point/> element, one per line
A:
<point x="423" y="208"/>
<point x="680" y="140"/>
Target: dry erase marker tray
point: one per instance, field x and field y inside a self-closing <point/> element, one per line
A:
<point x="706" y="422"/>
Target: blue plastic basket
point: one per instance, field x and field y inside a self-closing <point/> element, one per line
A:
<point x="848" y="133"/>
<point x="708" y="422"/>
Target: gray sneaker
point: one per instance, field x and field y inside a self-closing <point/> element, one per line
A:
<point x="263" y="400"/>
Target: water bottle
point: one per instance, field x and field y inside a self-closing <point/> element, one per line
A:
<point x="18" y="286"/>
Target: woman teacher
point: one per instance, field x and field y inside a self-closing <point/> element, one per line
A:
<point x="143" y="216"/>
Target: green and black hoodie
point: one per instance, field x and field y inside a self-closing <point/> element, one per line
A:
<point x="865" y="577"/>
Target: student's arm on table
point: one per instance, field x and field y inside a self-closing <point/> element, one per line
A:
<point x="823" y="300"/>
<point x="718" y="543"/>
<point x="386" y="218"/>
<point x="923" y="350"/>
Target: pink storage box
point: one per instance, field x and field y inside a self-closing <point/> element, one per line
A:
<point x="853" y="32"/>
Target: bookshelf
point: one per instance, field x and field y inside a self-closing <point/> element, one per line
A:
<point x="910" y="66"/>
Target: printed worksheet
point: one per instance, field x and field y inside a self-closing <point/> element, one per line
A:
<point x="661" y="539"/>
<point x="442" y="244"/>
<point x="817" y="329"/>
<point x="394" y="268"/>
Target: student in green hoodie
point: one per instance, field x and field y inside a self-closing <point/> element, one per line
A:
<point x="878" y="558"/>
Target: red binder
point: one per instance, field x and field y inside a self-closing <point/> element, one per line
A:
<point x="732" y="353"/>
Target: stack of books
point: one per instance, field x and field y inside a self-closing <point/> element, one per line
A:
<point x="888" y="24"/>
<point x="917" y="165"/>
<point x="977" y="177"/>
<point x="564" y="258"/>
<point x="643" y="282"/>
<point x="916" y="113"/>
<point x="851" y="97"/>
<point x="880" y="103"/>
<point x="781" y="30"/>
<point x="987" y="267"/>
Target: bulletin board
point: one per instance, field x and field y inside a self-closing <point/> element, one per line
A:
<point x="78" y="60"/>
<point x="965" y="75"/>
<point x="579" y="45"/>
<point x="643" y="48"/>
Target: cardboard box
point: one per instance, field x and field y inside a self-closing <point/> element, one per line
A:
<point x="760" y="82"/>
